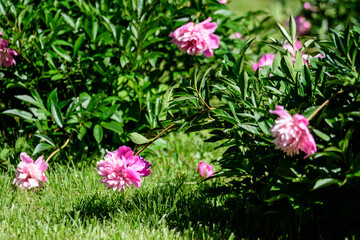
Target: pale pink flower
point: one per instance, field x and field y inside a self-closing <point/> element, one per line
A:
<point x="292" y="134"/>
<point x="266" y="59"/>
<point x="293" y="51"/>
<point x="307" y="58"/>
<point x="302" y="26"/>
<point x="205" y="170"/>
<point x="121" y="168"/>
<point x="308" y="6"/>
<point x="30" y="174"/>
<point x="6" y="54"/>
<point x="236" y="35"/>
<point x="222" y="1"/>
<point x="196" y="39"/>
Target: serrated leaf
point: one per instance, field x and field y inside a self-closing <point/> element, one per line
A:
<point x="138" y="138"/>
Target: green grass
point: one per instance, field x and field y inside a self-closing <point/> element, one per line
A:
<point x="75" y="205"/>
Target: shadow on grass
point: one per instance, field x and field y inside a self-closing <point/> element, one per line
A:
<point x="180" y="206"/>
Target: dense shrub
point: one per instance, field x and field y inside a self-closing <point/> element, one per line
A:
<point x="283" y="195"/>
<point x="94" y="71"/>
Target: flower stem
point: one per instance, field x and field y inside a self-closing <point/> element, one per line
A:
<point x="154" y="139"/>
<point x="57" y="150"/>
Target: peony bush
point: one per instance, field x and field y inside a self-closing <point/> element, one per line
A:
<point x="85" y="77"/>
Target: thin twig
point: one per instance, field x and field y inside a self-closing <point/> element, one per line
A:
<point x="203" y="100"/>
<point x="154" y="139"/>
<point x="323" y="105"/>
<point x="57" y="150"/>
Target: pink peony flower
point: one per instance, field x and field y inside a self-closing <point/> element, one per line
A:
<point x="302" y="26"/>
<point x="222" y="1"/>
<point x="307" y="58"/>
<point x="205" y="170"/>
<point x="196" y="39"/>
<point x="288" y="47"/>
<point x="30" y="174"/>
<point x="308" y="6"/>
<point x="6" y="54"/>
<point x="121" y="168"/>
<point x="267" y="59"/>
<point x="236" y="35"/>
<point x="291" y="133"/>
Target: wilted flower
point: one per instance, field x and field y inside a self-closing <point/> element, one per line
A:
<point x="302" y="26"/>
<point x="205" y="170"/>
<point x="196" y="39"/>
<point x="266" y="59"/>
<point x="30" y="174"/>
<point x="121" y="168"/>
<point x="222" y="1"/>
<point x="6" y="54"/>
<point x="291" y="133"/>
<point x="236" y="35"/>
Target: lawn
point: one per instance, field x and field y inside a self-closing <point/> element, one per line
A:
<point x="75" y="205"/>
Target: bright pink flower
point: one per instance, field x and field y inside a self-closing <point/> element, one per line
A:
<point x="30" y="174"/>
<point x="222" y="1"/>
<point x="291" y="133"/>
<point x="236" y="35"/>
<point x="205" y="170"/>
<point x="6" y="54"/>
<point x="267" y="59"/>
<point x="196" y="39"/>
<point x="121" y="168"/>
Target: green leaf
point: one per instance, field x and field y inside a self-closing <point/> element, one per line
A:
<point x="94" y="30"/>
<point x="46" y="139"/>
<point x="56" y="114"/>
<point x="285" y="34"/>
<point x="78" y="44"/>
<point x="29" y="99"/>
<point x="19" y="113"/>
<point x="98" y="133"/>
<point x="292" y="28"/>
<point x="42" y="147"/>
<point x="69" y="20"/>
<point x="138" y="138"/>
<point x="324" y="182"/>
<point x="113" y="126"/>
<point x="321" y="135"/>
<point x="62" y="53"/>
